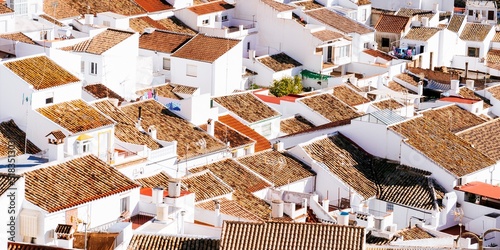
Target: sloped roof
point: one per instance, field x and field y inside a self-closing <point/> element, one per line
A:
<point x="74" y="182"/>
<point x="330" y="107"/>
<point x="163" y="41"/>
<point x="139" y="24"/>
<point x="102" y="42"/>
<point x="229" y="207"/>
<point x="398" y="87"/>
<point x="309" y="5"/>
<point x="481" y="188"/>
<point x="100" y="91"/>
<point x="243" y="182"/>
<point x="496" y="37"/>
<point x="349" y="96"/>
<point x="279" y="62"/>
<point x="153" y="6"/>
<point x="227" y="134"/>
<point x="421" y="33"/>
<point x="73" y="8"/>
<point x="205" y="48"/>
<point x="295" y="124"/>
<point x="453" y="118"/>
<point x="247" y="106"/>
<point x="210" y="7"/>
<point x="456" y="22"/>
<point x="378" y="53"/>
<point x="388" y="104"/>
<point x="278" y="6"/>
<point x="443" y="147"/>
<point x="250" y="235"/>
<point x="171" y="127"/>
<point x="276" y="167"/>
<point x="475" y="32"/>
<point x="41" y="72"/>
<point x="168" y="242"/>
<point x="4" y="9"/>
<point x="495" y="91"/>
<point x="413" y="233"/>
<point x="51" y="20"/>
<point x="339" y="22"/>
<point x="407" y="78"/>
<point x="18" y="36"/>
<point x="75" y="116"/>
<point x="28" y="246"/>
<point x="261" y="143"/>
<point x="125" y="129"/>
<point x="327" y="35"/>
<point x="166" y="90"/>
<point x="392" y="24"/>
<point x="7" y="181"/>
<point x="11" y="135"/>
<point x="493" y="58"/>
<point x="174" y="24"/>
<point x="485" y="138"/>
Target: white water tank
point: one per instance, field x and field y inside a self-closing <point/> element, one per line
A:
<point x="469" y="84"/>
<point x="174" y="188"/>
<point x="343" y="218"/>
<point x="89" y="19"/>
<point x="277" y="207"/>
<point x="162" y="212"/>
<point x="454" y="86"/>
<point x="157" y="195"/>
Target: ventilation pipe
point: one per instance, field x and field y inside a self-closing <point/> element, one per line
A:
<point x="277" y="207"/>
<point x="174" y="188"/>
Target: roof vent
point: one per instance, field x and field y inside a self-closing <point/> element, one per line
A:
<point x="149" y="30"/>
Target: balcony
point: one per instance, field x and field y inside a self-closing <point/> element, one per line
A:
<point x="234" y="28"/>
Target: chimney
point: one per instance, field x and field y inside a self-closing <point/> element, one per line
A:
<point x="454" y="87"/>
<point x="157" y="195"/>
<point x="420" y="92"/>
<point x="174" y="188"/>
<point x="278" y="146"/>
<point x="56" y="145"/>
<point x="152" y="132"/>
<point x="277" y="207"/>
<point x="211" y="127"/>
<point x="343" y="218"/>
<point x="89" y="19"/>
<point x="425" y="21"/>
<point x="326" y="205"/>
<point x="138" y="124"/>
<point x="162" y="212"/>
<point x="469" y="84"/>
<point x="218" y="216"/>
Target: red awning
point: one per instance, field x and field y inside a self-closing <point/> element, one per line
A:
<point x="482" y="189"/>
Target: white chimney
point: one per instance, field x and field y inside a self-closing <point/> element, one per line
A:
<point x="469" y="84"/>
<point x="174" y="188"/>
<point x="152" y="132"/>
<point x="425" y="21"/>
<point x="454" y="87"/>
<point x="251" y="54"/>
<point x="162" y="212"/>
<point x="435" y="8"/>
<point x="326" y="205"/>
<point x="89" y="19"/>
<point x="278" y="146"/>
<point x="218" y="215"/>
<point x="343" y="218"/>
<point x="277" y="207"/>
<point x="56" y="145"/>
<point x="211" y="127"/>
<point x="157" y="195"/>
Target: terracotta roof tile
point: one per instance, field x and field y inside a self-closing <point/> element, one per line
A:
<point x="100" y="91"/>
<point x="279" y="62"/>
<point x="163" y="41"/>
<point x="167" y="242"/>
<point x="102" y="42"/>
<point x="392" y="24"/>
<point x="7" y="181"/>
<point x="438" y="76"/>
<point x="244" y="184"/>
<point x="397" y="87"/>
<point x="363" y="2"/>
<point x="475" y="32"/>
<point x="57" y="134"/>
<point x="407" y="78"/>
<point x="211" y="7"/>
<point x="171" y="127"/>
<point x="139" y="24"/>
<point x="205" y="48"/>
<point x="421" y="33"/>
<point x="339" y="22"/>
<point x="278" y="6"/>
<point x="378" y="53"/>
<point x="392" y="183"/>
<point x="295" y="125"/>
<point x="41" y="72"/>
<point x="227" y="134"/>
<point x="456" y="22"/>
<point x="75" y="116"/>
<point x="443" y="147"/>
<point x="453" y="118"/>
<point x="309" y="5"/>
<point x="153" y="5"/>
<point x="175" y="25"/>
<point x="52" y="20"/>
<point x="125" y="129"/>
<point x="388" y="104"/>
<point x="73" y="183"/>
<point x="162" y="90"/>
<point x="4" y="9"/>
<point x="72" y="8"/>
<point x="496" y="38"/>
<point x="349" y="96"/>
<point x="28" y="246"/>
<point x="470" y="94"/>
<point x="18" y="36"/>
<point x="493" y="58"/>
<point x="247" y="106"/>
<point x="327" y="35"/>
<point x="495" y="91"/>
<point x="413" y="233"/>
<point x="183" y="89"/>
<point x="485" y="138"/>
<point x="11" y="134"/>
<point x="230" y="207"/>
<point x="413" y="12"/>
<point x="250" y="235"/>
<point x="330" y="107"/>
<point x="261" y="143"/>
<point x="267" y="164"/>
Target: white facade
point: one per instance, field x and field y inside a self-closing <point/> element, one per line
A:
<point x="6" y="23"/>
<point x="11" y="202"/>
<point x="394" y="5"/>
<point x="26" y="8"/>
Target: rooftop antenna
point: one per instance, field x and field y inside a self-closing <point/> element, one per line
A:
<point x="458" y="213"/>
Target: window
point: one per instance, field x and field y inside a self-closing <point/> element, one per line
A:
<point x="248" y="46"/>
<point x="473" y="52"/>
<point x="471" y="12"/>
<point x="266" y="129"/>
<point x="366" y="45"/>
<point x="93" y="68"/>
<point x="204" y="22"/>
<point x="106" y="23"/>
<point x="49" y="100"/>
<point x="491" y="15"/>
<point x="124" y="204"/>
<point x="82" y="66"/>
<point x="191" y="70"/>
<point x="386" y="42"/>
<point x="86" y="146"/>
<point x="43" y="35"/>
<point x="389" y="207"/>
<point x="166" y="63"/>
<point x="224" y="18"/>
<point x="343" y="51"/>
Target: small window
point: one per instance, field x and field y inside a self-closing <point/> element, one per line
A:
<point x="473" y="52"/>
<point x="366" y="45"/>
<point x="389" y="207"/>
<point x="386" y="42"/>
<point x="86" y="146"/>
<point x="248" y="46"/>
<point x="471" y="12"/>
<point x="49" y="98"/>
<point x="124" y="204"/>
<point x="204" y="22"/>
<point x="344" y="51"/>
<point x="166" y="63"/>
<point x="191" y="70"/>
<point x="93" y="68"/>
<point x="224" y="18"/>
<point x="266" y="129"/>
<point x="491" y="15"/>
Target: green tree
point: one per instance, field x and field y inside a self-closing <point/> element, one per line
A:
<point x="286" y="85"/>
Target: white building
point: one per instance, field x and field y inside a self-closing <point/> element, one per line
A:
<point x="481" y="11"/>
<point x="6" y="19"/>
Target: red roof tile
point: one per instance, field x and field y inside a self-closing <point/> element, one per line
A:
<point x="163" y="41"/>
<point x="481" y="188"/>
<point x="102" y="42"/>
<point x="392" y="24"/>
<point x="154" y="5"/>
<point x="205" y="48"/>
<point x="211" y="7"/>
<point x="456" y="99"/>
<point x="339" y="22"/>
<point x="261" y="142"/>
